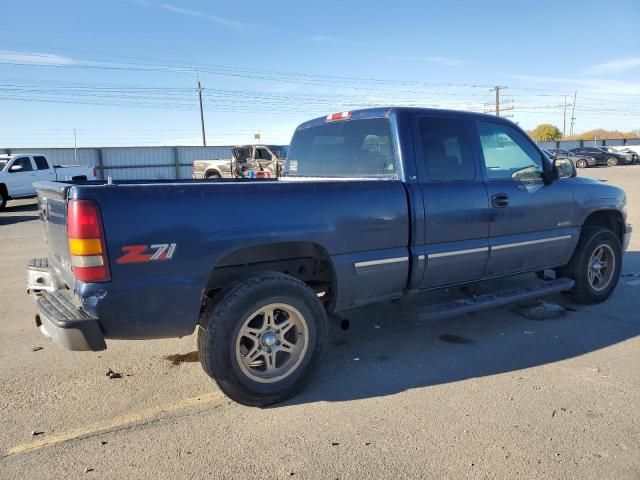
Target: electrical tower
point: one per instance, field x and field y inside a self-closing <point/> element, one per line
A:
<point x="499" y="105"/>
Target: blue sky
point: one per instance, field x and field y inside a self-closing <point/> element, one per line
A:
<point x="123" y="72"/>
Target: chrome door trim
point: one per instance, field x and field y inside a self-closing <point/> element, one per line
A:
<point x="458" y="252"/>
<point x="383" y="261"/>
<point x="531" y="242"/>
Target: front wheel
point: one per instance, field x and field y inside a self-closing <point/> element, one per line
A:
<point x="3" y="200"/>
<point x="581" y="164"/>
<point x="595" y="265"/>
<point x="612" y="162"/>
<point x="261" y="338"/>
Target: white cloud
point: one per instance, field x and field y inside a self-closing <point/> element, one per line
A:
<point x="589" y="84"/>
<point x="614" y="66"/>
<point x="226" y="22"/>
<point x="34" y="58"/>
<point x="444" y="61"/>
<point x="321" y="39"/>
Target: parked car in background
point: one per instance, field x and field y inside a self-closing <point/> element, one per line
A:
<point x="602" y="156"/>
<point x="376" y="204"/>
<point x="633" y="150"/>
<point x="261" y="161"/>
<point x="580" y="161"/>
<point x="19" y="171"/>
<point x="623" y="157"/>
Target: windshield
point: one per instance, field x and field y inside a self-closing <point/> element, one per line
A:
<point x="279" y="151"/>
<point x="343" y="149"/>
<point x="3" y="163"/>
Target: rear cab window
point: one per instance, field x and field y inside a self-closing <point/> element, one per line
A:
<point x="445" y="149"/>
<point x="41" y="163"/>
<point x="343" y="149"/>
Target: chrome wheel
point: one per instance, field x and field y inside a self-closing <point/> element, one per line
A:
<point x="272" y="342"/>
<point x="601" y="267"/>
<point x="581" y="164"/>
<point x="612" y="162"/>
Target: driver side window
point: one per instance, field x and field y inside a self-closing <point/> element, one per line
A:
<point x="24" y="162"/>
<point x="508" y="154"/>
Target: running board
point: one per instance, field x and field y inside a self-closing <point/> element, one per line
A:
<point x="492" y="300"/>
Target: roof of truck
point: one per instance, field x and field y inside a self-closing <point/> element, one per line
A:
<point x="381" y="112"/>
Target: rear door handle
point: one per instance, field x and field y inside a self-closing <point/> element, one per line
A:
<point x="500" y="200"/>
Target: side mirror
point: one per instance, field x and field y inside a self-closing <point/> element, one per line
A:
<point x="15" y="168"/>
<point x="564" y="168"/>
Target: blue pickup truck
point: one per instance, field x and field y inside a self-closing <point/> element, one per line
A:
<point x="376" y="204"/>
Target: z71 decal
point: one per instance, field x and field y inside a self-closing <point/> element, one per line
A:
<point x="147" y="253"/>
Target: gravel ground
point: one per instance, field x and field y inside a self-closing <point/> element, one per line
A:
<point x="536" y="390"/>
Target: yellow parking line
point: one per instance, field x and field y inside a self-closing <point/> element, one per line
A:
<point x="115" y="423"/>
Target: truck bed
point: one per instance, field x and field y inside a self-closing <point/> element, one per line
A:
<point x="207" y="221"/>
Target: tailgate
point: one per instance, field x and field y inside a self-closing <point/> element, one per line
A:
<point x="52" y="209"/>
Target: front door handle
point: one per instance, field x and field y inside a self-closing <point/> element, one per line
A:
<point x="500" y="200"/>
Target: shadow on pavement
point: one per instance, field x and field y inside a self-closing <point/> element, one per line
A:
<point x="24" y="207"/>
<point x="387" y="350"/>
<point x="12" y="219"/>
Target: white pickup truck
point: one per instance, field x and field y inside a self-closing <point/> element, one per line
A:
<point x="20" y="170"/>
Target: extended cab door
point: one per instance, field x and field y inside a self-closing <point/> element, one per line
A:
<point x="531" y="222"/>
<point x="44" y="171"/>
<point x="455" y="244"/>
<point x="21" y="176"/>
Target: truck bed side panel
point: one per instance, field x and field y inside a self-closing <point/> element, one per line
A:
<point x="363" y="225"/>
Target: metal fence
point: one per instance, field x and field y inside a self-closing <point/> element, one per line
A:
<point x="155" y="163"/>
<point x="132" y="163"/>
<point x="568" y="144"/>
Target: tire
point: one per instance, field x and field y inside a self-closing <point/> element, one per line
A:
<point x="592" y="240"/>
<point x="234" y="335"/>
<point x="581" y="163"/>
<point x="3" y="200"/>
<point x="213" y="175"/>
<point x="612" y="161"/>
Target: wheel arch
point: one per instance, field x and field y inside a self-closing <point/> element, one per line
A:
<point x="211" y="170"/>
<point x="306" y="261"/>
<point x="609" y="219"/>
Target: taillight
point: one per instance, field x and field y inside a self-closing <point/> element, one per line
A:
<point x="86" y="242"/>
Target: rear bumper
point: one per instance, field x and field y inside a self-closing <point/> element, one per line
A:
<point x="59" y="318"/>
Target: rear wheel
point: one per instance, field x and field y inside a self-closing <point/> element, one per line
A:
<point x="262" y="337"/>
<point x="3" y="200"/>
<point x="612" y="162"/>
<point x="595" y="265"/>
<point x="581" y="163"/>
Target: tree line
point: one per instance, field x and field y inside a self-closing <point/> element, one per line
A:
<point x="546" y="132"/>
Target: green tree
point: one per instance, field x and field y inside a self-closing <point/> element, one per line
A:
<point x="545" y="132"/>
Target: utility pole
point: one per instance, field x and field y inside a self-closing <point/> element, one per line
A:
<point x="496" y="105"/>
<point x="573" y="109"/>
<point x="204" y="138"/>
<point x="497" y="89"/>
<point x="564" y="118"/>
